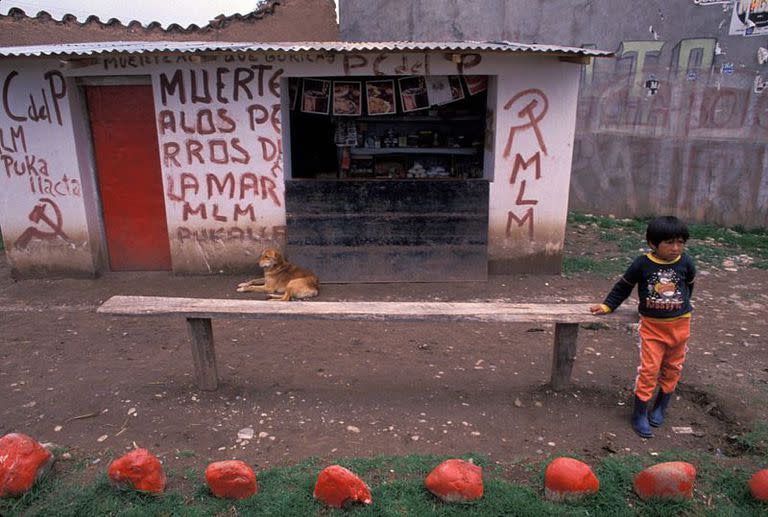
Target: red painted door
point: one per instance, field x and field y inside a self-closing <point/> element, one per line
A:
<point x="130" y="180"/>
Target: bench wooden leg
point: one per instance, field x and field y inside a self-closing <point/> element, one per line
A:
<point x="203" y="353"/>
<point x="564" y="354"/>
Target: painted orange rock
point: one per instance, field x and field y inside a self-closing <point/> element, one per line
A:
<point x="671" y="480"/>
<point x="232" y="479"/>
<point x="337" y="486"/>
<point x="758" y="485"/>
<point x="456" y="481"/>
<point x="567" y="479"/>
<point x="22" y="462"/>
<point x="139" y="469"/>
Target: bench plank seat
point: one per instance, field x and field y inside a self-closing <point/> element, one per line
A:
<point x="199" y="311"/>
<point x="392" y="311"/>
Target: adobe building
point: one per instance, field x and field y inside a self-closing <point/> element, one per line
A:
<point x="391" y="161"/>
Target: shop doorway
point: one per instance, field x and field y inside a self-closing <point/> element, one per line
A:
<point x="129" y="177"/>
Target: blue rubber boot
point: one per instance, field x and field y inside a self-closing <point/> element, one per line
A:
<point x="656" y="418"/>
<point x="640" y="419"/>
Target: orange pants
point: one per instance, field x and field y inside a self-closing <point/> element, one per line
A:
<point x="662" y="353"/>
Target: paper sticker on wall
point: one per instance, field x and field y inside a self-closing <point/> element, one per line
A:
<point x="749" y="18"/>
<point x="762" y="55"/>
<point x="652" y="86"/>
<point x="438" y="89"/>
<point x="760" y="84"/>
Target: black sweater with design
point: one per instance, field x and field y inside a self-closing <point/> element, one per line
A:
<point x="664" y="288"/>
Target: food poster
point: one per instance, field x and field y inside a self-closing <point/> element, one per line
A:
<point x="380" y="97"/>
<point x="457" y="92"/>
<point x="476" y="83"/>
<point x="413" y="93"/>
<point x="316" y="96"/>
<point x="347" y="98"/>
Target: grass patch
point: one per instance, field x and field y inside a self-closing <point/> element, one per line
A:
<point x="397" y="488"/>
<point x="756" y="440"/>
<point x="619" y="241"/>
<point x="603" y="222"/>
<point x="607" y="267"/>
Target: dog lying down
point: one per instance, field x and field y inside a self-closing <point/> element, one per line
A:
<point x="282" y="280"/>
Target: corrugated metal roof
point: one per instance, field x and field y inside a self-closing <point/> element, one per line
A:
<point x="144" y="47"/>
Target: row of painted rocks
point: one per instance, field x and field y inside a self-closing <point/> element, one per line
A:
<point x="23" y="461"/>
<point x="567" y="479"/>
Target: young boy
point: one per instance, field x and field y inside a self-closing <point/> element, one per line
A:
<point x="664" y="279"/>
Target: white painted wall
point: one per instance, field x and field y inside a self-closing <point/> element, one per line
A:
<point x="221" y="155"/>
<point x="223" y="167"/>
<point x="41" y="198"/>
<point x="536" y="115"/>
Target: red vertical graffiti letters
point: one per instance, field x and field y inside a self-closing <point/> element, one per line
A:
<point x="531" y="107"/>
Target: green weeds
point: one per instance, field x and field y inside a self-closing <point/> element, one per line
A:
<point x="610" y="245"/>
<point x="609" y="266"/>
<point x="756" y="440"/>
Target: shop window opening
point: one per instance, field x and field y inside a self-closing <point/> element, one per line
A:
<point x="424" y="127"/>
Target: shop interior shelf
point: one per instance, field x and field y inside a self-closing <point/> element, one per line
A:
<point x="372" y="151"/>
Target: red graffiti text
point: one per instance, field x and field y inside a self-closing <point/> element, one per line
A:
<point x="531" y="107"/>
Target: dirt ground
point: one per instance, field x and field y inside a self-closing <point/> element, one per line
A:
<point x="96" y="385"/>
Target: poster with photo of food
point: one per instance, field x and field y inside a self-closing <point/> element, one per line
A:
<point x="457" y="92"/>
<point x="381" y="97"/>
<point x="316" y="96"/>
<point x="413" y="93"/>
<point x="476" y="83"/>
<point x="347" y="98"/>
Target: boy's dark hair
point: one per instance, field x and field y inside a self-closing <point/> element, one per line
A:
<point x="666" y="227"/>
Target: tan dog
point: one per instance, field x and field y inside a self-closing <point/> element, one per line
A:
<point x="280" y="276"/>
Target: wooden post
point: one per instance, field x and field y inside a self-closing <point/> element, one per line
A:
<point x="203" y="353"/>
<point x="563" y="354"/>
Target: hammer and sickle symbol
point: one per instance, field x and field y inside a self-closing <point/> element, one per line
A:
<point x="38" y="215"/>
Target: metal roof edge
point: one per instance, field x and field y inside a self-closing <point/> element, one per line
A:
<point x="142" y="47"/>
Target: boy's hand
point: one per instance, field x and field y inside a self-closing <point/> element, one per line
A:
<point x="599" y="309"/>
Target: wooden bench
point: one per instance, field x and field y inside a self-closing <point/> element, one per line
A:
<point x="199" y="312"/>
